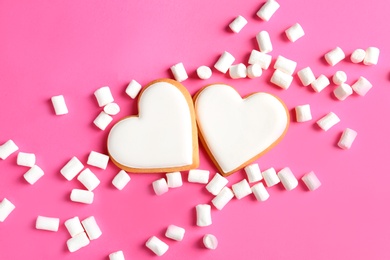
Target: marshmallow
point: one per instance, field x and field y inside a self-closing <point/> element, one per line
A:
<point x="26" y="159"/>
<point x="270" y="177"/>
<point x="224" y="62"/>
<point x="59" y="105"/>
<point x="281" y="79"/>
<point x="288" y="179"/>
<point x="253" y="173"/>
<point x="91" y="228"/>
<point x="103" y="96"/>
<point x="241" y="189"/>
<point x="74" y="227"/>
<point x="46" y="223"/>
<point x="82" y="196"/>
<point x="285" y="65"/>
<point x="216" y="184"/>
<point x="175" y="232"/>
<point x="204" y="72"/>
<point x="118" y="255"/>
<point x="7" y="149"/>
<point x="261" y="58"/>
<point x="372" y="56"/>
<point x="133" y="89"/>
<point x="174" y="179"/>
<point x="223" y="197"/>
<point x="98" y="160"/>
<point x="342" y="91"/>
<point x="358" y="55"/>
<point x="361" y="86"/>
<point x="121" y="179"/>
<point x="303" y="113"/>
<point x="77" y="242"/>
<point x="295" y="32"/>
<point x="320" y="83"/>
<point x="347" y="138"/>
<point x="198" y="176"/>
<point x="268" y="10"/>
<point x="210" y="241"/>
<point x="237" y="71"/>
<point x="264" y="42"/>
<point x="238" y="23"/>
<point x="157" y="246"/>
<point x="254" y="71"/>
<point x="334" y="56"/>
<point x="160" y="186"/>
<point x="260" y="192"/>
<point x="6" y="207"/>
<point x="326" y="122"/>
<point x="33" y="175"/>
<point x="88" y="179"/>
<point x="203" y="215"/>
<point x="72" y="168"/>
<point x="179" y="72"/>
<point x="311" y="181"/>
<point x="112" y="109"/>
<point x="102" y="120"/>
<point x="339" y="77"/>
<point x="306" y="76"/>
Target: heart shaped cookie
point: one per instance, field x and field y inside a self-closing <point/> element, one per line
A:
<point x="237" y="131"/>
<point x="163" y="137"/>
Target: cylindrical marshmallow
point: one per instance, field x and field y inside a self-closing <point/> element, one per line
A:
<point x="347" y="138"/>
<point x="361" y="86"/>
<point x="241" y="189"/>
<point x="72" y="168"/>
<point x="98" y="160"/>
<point x="343" y="91"/>
<point x="118" y="255"/>
<point x="204" y="72"/>
<point x="157" y="246"/>
<point x="133" y="89"/>
<point x="175" y="232"/>
<point x="223" y="197"/>
<point x="174" y="179"/>
<point x="6" y="207"/>
<point x="179" y="72"/>
<point x="224" y="62"/>
<point x="303" y="113"/>
<point x="82" y="196"/>
<point x="306" y="76"/>
<point x="268" y="10"/>
<point x="237" y="71"/>
<point x="88" y="179"/>
<point x="210" y="241"/>
<point x="198" y="176"/>
<point x="281" y="79"/>
<point x="311" y="181"/>
<point x="238" y="23"/>
<point x="160" y="186"/>
<point x="102" y="120"/>
<point x="288" y="179"/>
<point x="217" y="183"/>
<point x="59" y="105"/>
<point x="358" y="55"/>
<point x="103" y="96"/>
<point x="77" y="242"/>
<point x="26" y="159"/>
<point x="121" y="179"/>
<point x="286" y="65"/>
<point x="203" y="215"/>
<point x="295" y="32"/>
<point x="320" y="83"/>
<point x="112" y="109"/>
<point x="46" y="223"/>
<point x="326" y="122"/>
<point x="91" y="228"/>
<point x="261" y="58"/>
<point x="372" y="56"/>
<point x="33" y="175"/>
<point x="270" y="177"/>
<point x="74" y="227"/>
<point x="253" y="173"/>
<point x="7" y="149"/>
<point x="339" y="77"/>
<point x="264" y="42"/>
<point x="334" y="56"/>
<point x="260" y="192"/>
<point x="254" y="71"/>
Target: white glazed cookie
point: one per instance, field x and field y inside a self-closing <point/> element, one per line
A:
<point x="163" y="137"/>
<point x="237" y="131"/>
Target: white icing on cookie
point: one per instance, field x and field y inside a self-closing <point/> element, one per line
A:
<point x="237" y="130"/>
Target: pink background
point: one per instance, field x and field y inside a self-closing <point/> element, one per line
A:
<point x="72" y="48"/>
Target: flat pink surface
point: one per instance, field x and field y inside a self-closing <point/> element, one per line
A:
<point x="72" y="48"/>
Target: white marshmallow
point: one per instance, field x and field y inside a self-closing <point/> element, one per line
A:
<point x="342" y="91"/>
<point x="74" y="227"/>
<point x="216" y="184"/>
<point x="241" y="189"/>
<point x="268" y="10"/>
<point x="295" y="32"/>
<point x="103" y="96"/>
<point x="77" y="242"/>
<point x="204" y="72"/>
<point x="253" y="173"/>
<point x="72" y="168"/>
<point x="175" y="232"/>
<point x="46" y="223"/>
<point x="347" y="138"/>
<point x="372" y="56"/>
<point x="288" y="179"/>
<point x="59" y="105"/>
<point x="174" y="180"/>
<point x="303" y="113"/>
<point x="270" y="177"/>
<point x="224" y="62"/>
<point x="320" y="83"/>
<point x="223" y="197"/>
<point x="6" y="207"/>
<point x="326" y="122"/>
<point x="102" y="120"/>
<point x="91" y="228"/>
<point x="112" y="109"/>
<point x="311" y="181"/>
<point x="358" y="55"/>
<point x="88" y="179"/>
<point x="286" y="65"/>
<point x="160" y="186"/>
<point x="133" y="89"/>
<point x="238" y="23"/>
<point x="281" y="79"/>
<point x="306" y="76"/>
<point x="118" y="255"/>
<point x="210" y="241"/>
<point x="361" y="86"/>
<point x="254" y="71"/>
<point x="203" y="215"/>
<point x="98" y="160"/>
<point x="264" y="42"/>
<point x="157" y="246"/>
<point x="82" y="196"/>
<point x="260" y="192"/>
<point x="198" y="176"/>
<point x="121" y="179"/>
<point x="237" y="71"/>
<point x="261" y="58"/>
<point x="339" y="77"/>
<point x="179" y="72"/>
<point x="7" y="149"/>
<point x="26" y="159"/>
<point x="334" y="56"/>
<point x="33" y="174"/>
